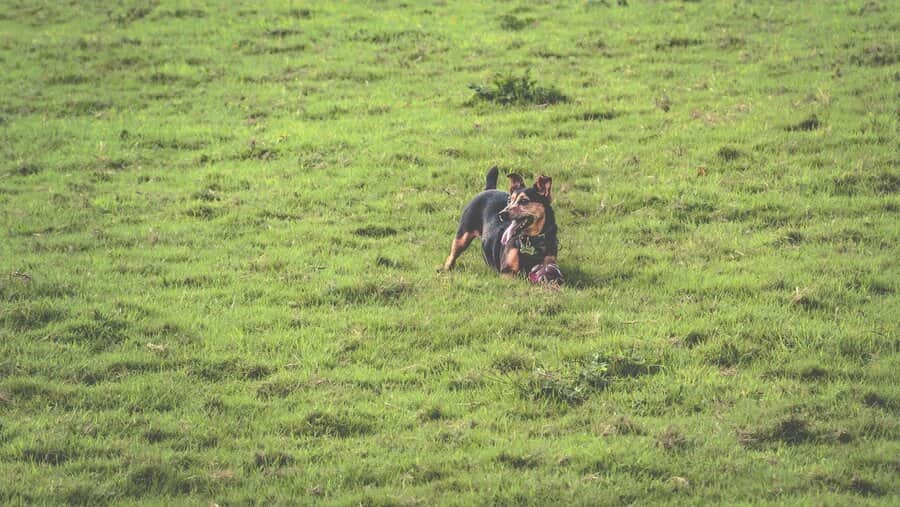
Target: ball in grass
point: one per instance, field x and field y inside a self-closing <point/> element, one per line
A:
<point x="546" y="273"/>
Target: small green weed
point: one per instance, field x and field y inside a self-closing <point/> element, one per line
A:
<point x="514" y="23"/>
<point x="510" y="89"/>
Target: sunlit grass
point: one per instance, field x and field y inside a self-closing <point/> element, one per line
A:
<point x="221" y="227"/>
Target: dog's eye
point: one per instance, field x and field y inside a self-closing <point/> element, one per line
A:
<point x="523" y="202"/>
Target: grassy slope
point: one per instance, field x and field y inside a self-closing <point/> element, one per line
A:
<point x="220" y="227"/>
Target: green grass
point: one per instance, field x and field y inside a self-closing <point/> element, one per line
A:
<point x="220" y="227"/>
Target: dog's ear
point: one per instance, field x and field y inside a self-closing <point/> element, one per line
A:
<point x="515" y="182"/>
<point x="543" y="184"/>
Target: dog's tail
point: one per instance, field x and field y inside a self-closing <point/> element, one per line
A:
<point x="490" y="182"/>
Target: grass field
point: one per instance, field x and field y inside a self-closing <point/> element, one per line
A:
<point x="220" y="226"/>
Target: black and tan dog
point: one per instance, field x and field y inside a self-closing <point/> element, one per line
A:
<point x="517" y="229"/>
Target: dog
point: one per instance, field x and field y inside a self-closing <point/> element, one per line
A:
<point x="517" y="229"/>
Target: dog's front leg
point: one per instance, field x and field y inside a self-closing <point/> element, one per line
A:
<point x="509" y="265"/>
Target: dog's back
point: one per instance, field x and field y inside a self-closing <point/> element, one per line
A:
<point x="483" y="214"/>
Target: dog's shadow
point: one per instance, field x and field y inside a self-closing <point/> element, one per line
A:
<point x="578" y="278"/>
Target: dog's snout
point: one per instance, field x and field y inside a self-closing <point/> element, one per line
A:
<point x="504" y="215"/>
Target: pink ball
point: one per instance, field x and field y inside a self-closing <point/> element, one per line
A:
<point x="546" y="273"/>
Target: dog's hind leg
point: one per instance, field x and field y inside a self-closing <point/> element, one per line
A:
<point x="459" y="245"/>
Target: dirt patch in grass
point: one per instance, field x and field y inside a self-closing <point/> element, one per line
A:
<point x="810" y="123"/>
<point x="730" y="354"/>
<point x="626" y="366"/>
<point x="281" y="388"/>
<point x="853" y="484"/>
<point x="86" y="494"/>
<point x="470" y="381"/>
<point x="26" y="170"/>
<point x="876" y="400"/>
<point x="511" y="362"/>
<point x="731" y="42"/>
<point x="117" y="370"/>
<point x="690" y="340"/>
<point x="258" y="152"/>
<point x="46" y="456"/>
<point x="386" y="262"/>
<point x="433" y="413"/>
<point x="519" y="462"/>
<point x="791" y="431"/>
<point x="729" y="154"/>
<point x="30" y="315"/>
<point x="514" y="23"/>
<point x="280" y="33"/>
<point x="270" y="459"/>
<point x="23" y="389"/>
<point x="386" y="293"/>
<point x="228" y="369"/>
<point x="596" y="116"/>
<point x="619" y="425"/>
<point x="876" y="55"/>
<point x="188" y="282"/>
<point x="204" y="211"/>
<point x="805" y="298"/>
<point x="326" y="424"/>
<point x="672" y="439"/>
<point x="162" y="479"/>
<point x="181" y="13"/>
<point x="98" y="331"/>
<point x="389" y="36"/>
<point x="375" y="231"/>
<point x="677" y="43"/>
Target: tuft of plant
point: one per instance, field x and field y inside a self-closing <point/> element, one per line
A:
<point x="510" y="89"/>
<point x="572" y="386"/>
<point x="514" y="23"/>
<point x="554" y="386"/>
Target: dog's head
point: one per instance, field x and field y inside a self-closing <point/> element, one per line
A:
<point x="528" y="207"/>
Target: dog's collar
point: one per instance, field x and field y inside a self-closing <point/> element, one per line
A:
<point x="532" y="245"/>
